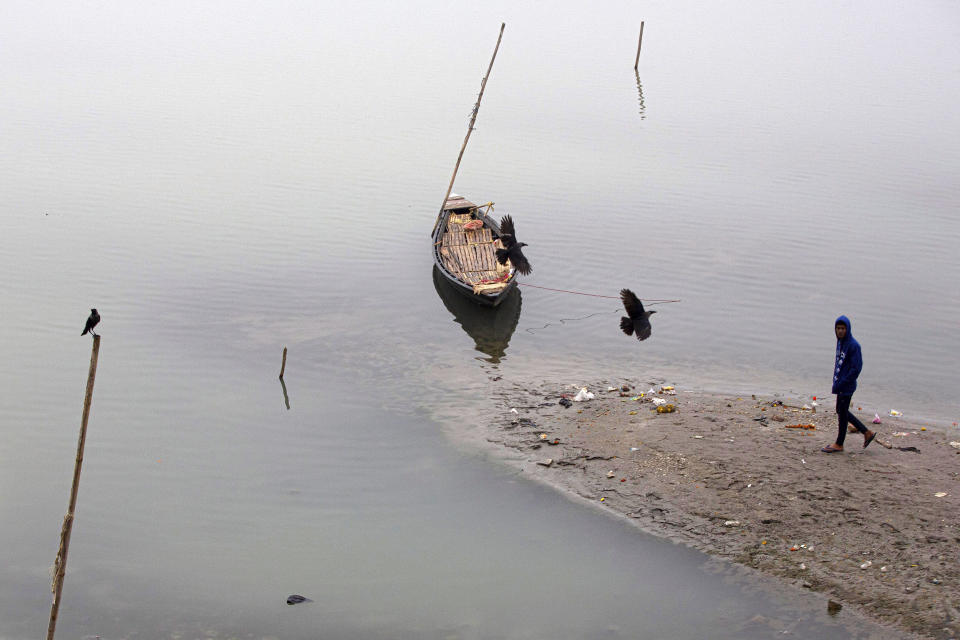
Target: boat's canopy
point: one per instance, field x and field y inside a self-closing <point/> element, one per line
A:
<point x="456" y="203"/>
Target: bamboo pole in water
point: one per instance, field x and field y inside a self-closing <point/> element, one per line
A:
<point x="639" y="44"/>
<point x="60" y="562"/>
<point x="283" y="364"/>
<point x="473" y="120"/>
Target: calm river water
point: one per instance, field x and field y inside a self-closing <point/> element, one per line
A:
<point x="224" y="179"/>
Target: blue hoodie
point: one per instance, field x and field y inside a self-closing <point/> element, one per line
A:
<point x="849" y="362"/>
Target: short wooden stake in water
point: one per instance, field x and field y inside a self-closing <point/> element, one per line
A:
<point x="60" y="562"/>
<point x="283" y="364"/>
<point x="639" y="44"/>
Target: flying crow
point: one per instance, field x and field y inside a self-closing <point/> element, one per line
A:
<point x="91" y="323"/>
<point x="639" y="319"/>
<point x="511" y="248"/>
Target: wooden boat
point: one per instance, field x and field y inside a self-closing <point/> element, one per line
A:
<point x="490" y="327"/>
<point x="465" y="241"/>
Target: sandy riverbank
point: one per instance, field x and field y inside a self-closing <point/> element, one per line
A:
<point x="726" y="475"/>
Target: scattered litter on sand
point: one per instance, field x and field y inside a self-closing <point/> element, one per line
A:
<point x="740" y="495"/>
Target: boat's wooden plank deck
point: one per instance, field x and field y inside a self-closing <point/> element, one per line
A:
<point x="471" y="255"/>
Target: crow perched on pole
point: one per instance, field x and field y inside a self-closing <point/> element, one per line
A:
<point x="511" y="248"/>
<point x="91" y="323"/>
<point x="638" y="322"/>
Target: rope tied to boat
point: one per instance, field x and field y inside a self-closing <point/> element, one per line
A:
<point x="596" y="295"/>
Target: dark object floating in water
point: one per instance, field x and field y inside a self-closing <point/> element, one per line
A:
<point x="91" y="323"/>
<point x="638" y="322"/>
<point x="511" y="248"/>
<point x="297" y="599"/>
<point x="833" y="607"/>
<point x="566" y="402"/>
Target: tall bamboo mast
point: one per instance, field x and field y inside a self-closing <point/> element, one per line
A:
<point x="473" y="120"/>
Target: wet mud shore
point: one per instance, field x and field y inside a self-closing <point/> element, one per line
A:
<point x="873" y="529"/>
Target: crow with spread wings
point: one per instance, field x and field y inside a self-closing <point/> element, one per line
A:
<point x="639" y="321"/>
<point x="511" y="248"/>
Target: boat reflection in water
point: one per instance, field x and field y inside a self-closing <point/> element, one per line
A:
<point x="490" y="327"/>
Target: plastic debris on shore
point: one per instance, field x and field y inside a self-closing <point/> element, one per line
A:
<point x="731" y="523"/>
<point x="895" y="414"/>
<point x="667" y="408"/>
<point x="800" y="426"/>
<point x="610" y="474"/>
<point x="545" y="463"/>
<point x="876" y="418"/>
<point x="565" y="402"/>
<point x="866" y="565"/>
<point x="297" y="599"/>
<point x="955" y="445"/>
<point x="659" y="402"/>
<point x="583" y="395"/>
<point x="940" y="494"/>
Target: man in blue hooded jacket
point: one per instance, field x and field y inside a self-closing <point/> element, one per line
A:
<point x="846" y="369"/>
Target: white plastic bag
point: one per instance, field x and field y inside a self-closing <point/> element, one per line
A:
<point x="583" y="395"/>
